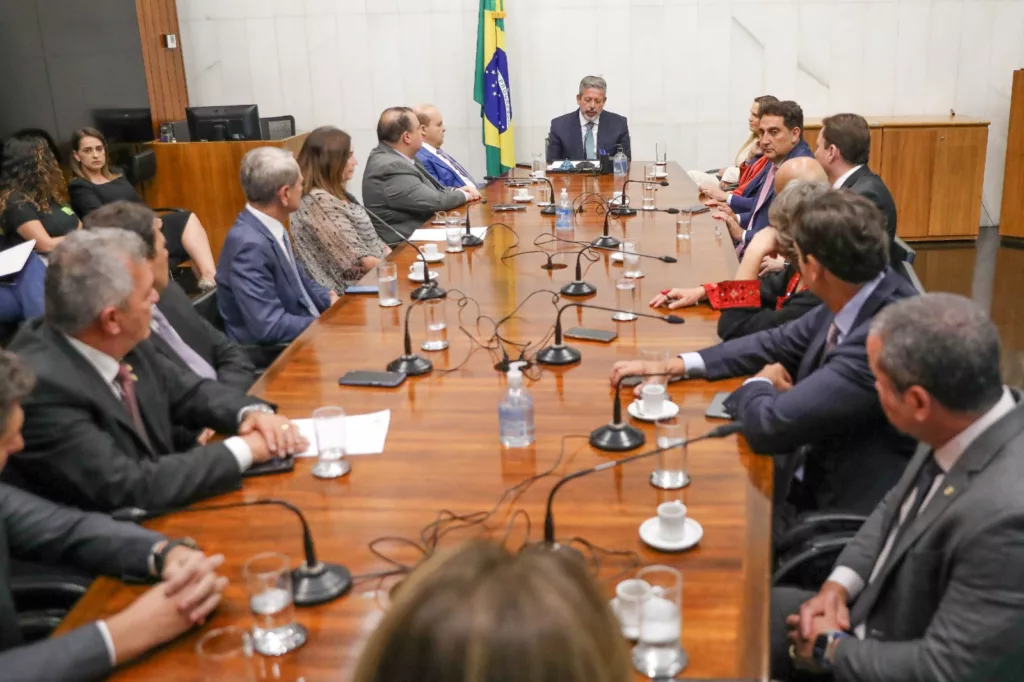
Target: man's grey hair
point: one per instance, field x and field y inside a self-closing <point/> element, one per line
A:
<point x="265" y="170"/>
<point x="88" y="272"/>
<point x="593" y="82"/>
<point x="944" y="343"/>
<point x="787" y="205"/>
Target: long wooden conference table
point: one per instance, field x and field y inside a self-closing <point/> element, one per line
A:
<point x="443" y="450"/>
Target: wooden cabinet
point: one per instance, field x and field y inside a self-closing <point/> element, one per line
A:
<point x="934" y="167"/>
<point x="1011" y="217"/>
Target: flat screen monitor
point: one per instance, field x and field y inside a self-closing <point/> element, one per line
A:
<point x="124" y="126"/>
<point x="220" y="124"/>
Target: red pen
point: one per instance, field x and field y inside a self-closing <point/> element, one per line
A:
<point x="665" y="293"/>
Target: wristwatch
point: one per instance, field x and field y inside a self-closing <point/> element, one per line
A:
<point x="824" y="650"/>
<point x="160" y="558"/>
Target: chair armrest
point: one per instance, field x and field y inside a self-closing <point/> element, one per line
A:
<point x="263" y="356"/>
<point x="163" y="209"/>
<point x="812" y="525"/>
<point x="809" y="567"/>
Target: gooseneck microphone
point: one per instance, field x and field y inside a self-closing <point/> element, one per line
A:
<point x="606" y="240"/>
<point x="663" y="259"/>
<point x="429" y="288"/>
<point x="558" y="353"/>
<point x="469" y="239"/>
<point x="550" y="208"/>
<point x="314" y="582"/>
<point x="410" y="363"/>
<point x="578" y="287"/>
<point x="622" y="208"/>
<point x="617" y="435"/>
<point x="549" y="518"/>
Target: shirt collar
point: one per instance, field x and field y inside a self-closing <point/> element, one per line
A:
<point x="106" y="366"/>
<point x="846" y="176"/>
<point x="848" y="314"/>
<point x="948" y="454"/>
<point x="584" y="121"/>
<point x="271" y="223"/>
<point x="430" y="148"/>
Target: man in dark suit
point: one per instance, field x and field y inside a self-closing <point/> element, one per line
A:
<point x="98" y="424"/>
<point x="397" y="189"/>
<point x="932" y="586"/>
<point x="813" y="394"/>
<point x="264" y="295"/>
<point x="37" y="530"/>
<point x="179" y="333"/>
<point x="843" y="149"/>
<point x="590" y="131"/>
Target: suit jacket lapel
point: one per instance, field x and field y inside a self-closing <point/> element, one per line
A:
<point x="426" y="175"/>
<point x="857" y="175"/>
<point x="290" y="272"/>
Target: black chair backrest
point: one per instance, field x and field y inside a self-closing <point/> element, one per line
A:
<point x="180" y="129"/>
<point x="206" y="305"/>
<point x="907" y="270"/>
<point x="140" y="167"/>
<point x="902" y="252"/>
<point x="277" y="127"/>
<point x="811" y="565"/>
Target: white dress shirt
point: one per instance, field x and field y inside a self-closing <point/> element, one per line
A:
<point x="846" y="176"/>
<point x="107" y="367"/>
<point x="583" y="133"/>
<point x="945" y="456"/>
<point x="433" y="150"/>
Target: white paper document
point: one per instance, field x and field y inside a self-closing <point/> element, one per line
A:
<point x="12" y="260"/>
<point x="437" y="234"/>
<point x="364" y="433"/>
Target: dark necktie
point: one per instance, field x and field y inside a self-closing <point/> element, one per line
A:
<point x="925" y="480"/>
<point x="125" y="382"/>
<point x="196" y="362"/>
<point x="456" y="165"/>
<point x="832" y="338"/>
<point x="290" y="255"/>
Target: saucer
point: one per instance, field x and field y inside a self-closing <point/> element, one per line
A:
<point x="522" y="200"/>
<point x="692" y="534"/>
<point x="617" y="256"/>
<point x="432" y="259"/>
<point x="433" y="276"/>
<point x="631" y="631"/>
<point x="671" y="410"/>
<point x="661" y="175"/>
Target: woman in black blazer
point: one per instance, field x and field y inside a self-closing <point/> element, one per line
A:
<point x="95" y="185"/>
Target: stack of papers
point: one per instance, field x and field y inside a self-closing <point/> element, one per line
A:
<point x="13" y="260"/>
<point x="364" y="433"/>
<point x="437" y="234"/>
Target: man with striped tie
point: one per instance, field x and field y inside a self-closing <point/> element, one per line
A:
<point x="439" y="163"/>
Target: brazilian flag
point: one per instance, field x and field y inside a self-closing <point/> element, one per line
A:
<point x="492" y="90"/>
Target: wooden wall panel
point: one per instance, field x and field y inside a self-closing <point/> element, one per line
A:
<point x="165" y="68"/>
<point x="1011" y="218"/>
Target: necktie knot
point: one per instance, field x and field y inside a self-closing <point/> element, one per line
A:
<point x="125" y="374"/>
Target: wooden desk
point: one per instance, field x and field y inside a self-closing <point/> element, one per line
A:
<point x="443" y="453"/>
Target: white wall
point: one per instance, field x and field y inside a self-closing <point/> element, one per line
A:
<point x="683" y="71"/>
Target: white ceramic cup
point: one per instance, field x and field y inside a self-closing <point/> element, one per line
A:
<point x="672" y="520"/>
<point x="522" y="193"/>
<point x="652" y="400"/>
<point x="429" y="250"/>
<point x="416" y="269"/>
<point x="616" y="197"/>
<point x="631" y="595"/>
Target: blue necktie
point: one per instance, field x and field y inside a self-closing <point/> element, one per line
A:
<point x="302" y="289"/>
<point x="589" y="144"/>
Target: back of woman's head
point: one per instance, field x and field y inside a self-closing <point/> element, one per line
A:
<point x="323" y="158"/>
<point x="480" y="614"/>
<point x="29" y="167"/>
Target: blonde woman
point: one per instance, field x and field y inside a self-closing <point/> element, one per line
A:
<point x="748" y="161"/>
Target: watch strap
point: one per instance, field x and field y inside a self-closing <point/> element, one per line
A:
<point x="160" y="558"/>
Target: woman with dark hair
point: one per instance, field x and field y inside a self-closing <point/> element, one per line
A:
<point x="33" y="197"/>
<point x="332" y="233"/>
<point x="95" y="184"/>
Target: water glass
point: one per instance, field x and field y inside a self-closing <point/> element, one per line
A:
<point x="670" y="473"/>
<point x="387" y="284"/>
<point x="453" y="238"/>
<point x="543" y="194"/>
<point x="658" y="652"/>
<point x="655" y="361"/>
<point x="684" y="226"/>
<point x="661" y="159"/>
<point x="268" y="581"/>
<point x="625" y="299"/>
<point x="649" y="191"/>
<point x="329" y="424"/>
<point x="650" y="173"/>
<point x="539" y="165"/>
<point x="630" y="261"/>
<point x="225" y="655"/>
<point x="436" y="337"/>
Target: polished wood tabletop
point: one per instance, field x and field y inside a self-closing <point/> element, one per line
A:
<point x="443" y="450"/>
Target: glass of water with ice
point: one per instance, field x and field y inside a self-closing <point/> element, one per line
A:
<point x="436" y="335"/>
<point x="625" y="299"/>
<point x="268" y="581"/>
<point x="329" y="424"/>
<point x="387" y="284"/>
<point x="630" y="260"/>
<point x="659" y="652"/>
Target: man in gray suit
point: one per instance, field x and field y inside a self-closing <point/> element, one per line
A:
<point x="32" y="528"/>
<point x="932" y="586"/>
<point x="397" y="189"/>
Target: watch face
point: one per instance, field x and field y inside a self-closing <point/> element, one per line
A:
<point x="821" y="646"/>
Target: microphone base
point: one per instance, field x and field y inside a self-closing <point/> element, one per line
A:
<point x="559" y="354"/>
<point x="606" y="241"/>
<point x="617" y="438"/>
<point x="554" y="266"/>
<point x="319" y="584"/>
<point x="412" y="365"/>
<point x="578" y="289"/>
<point x="623" y="211"/>
<point x="566" y="551"/>
<point x="427" y="291"/>
<point x="503" y="365"/>
<point x="548" y="210"/>
<point x="471" y="240"/>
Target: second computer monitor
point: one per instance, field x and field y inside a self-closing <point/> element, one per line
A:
<point x="220" y="124"/>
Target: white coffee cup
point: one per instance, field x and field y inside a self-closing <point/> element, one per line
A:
<point x="522" y="193"/>
<point x="672" y="520"/>
<point x="652" y="399"/>
<point x="630" y="597"/>
<point x="616" y="197"/>
<point x="429" y="250"/>
<point x="417" y="268"/>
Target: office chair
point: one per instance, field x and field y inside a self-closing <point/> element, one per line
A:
<point x="907" y="270"/>
<point x="262" y="355"/>
<point x="807" y="552"/>
<point x="43" y="594"/>
<point x="902" y="252"/>
<point x="277" y="127"/>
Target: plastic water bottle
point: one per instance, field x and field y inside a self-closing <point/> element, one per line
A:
<point x="515" y="411"/>
<point x="563" y="212"/>
<point x="620" y="164"/>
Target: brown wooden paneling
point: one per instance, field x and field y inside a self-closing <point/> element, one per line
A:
<point x="165" y="68"/>
<point x="957" y="181"/>
<point x="908" y="162"/>
<point x="203" y="177"/>
<point x="1011" y="217"/>
<point x="443" y="452"/>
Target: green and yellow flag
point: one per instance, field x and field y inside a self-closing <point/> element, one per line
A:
<point x="492" y="90"/>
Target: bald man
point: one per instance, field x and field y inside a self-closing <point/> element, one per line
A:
<point x="439" y="163"/>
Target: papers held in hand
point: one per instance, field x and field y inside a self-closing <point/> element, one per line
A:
<point x="13" y="260"/>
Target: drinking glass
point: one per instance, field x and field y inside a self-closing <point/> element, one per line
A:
<point x="649" y="191"/>
<point x="543" y="194"/>
<point x="658" y="652"/>
<point x="436" y="337"/>
<point x="650" y="172"/>
<point x="453" y="238"/>
<point x="670" y="473"/>
<point x="329" y="424"/>
<point x="269" y="584"/>
<point x="387" y="284"/>
<point x="655" y="361"/>
<point x="684" y="226"/>
<point x="225" y="655"/>
<point x="625" y="299"/>
<point x="630" y="261"/>
<point x="661" y="159"/>
<point x="540" y="165"/>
